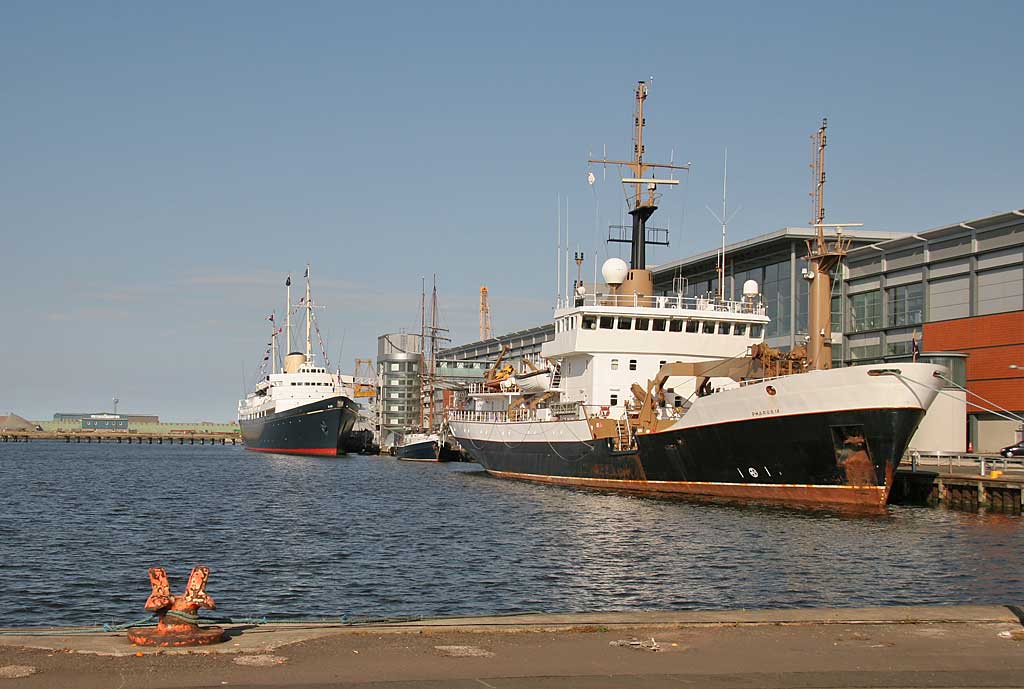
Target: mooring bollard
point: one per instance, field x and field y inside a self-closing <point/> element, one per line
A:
<point x="178" y="616"/>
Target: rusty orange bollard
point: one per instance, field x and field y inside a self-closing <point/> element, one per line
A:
<point x="178" y="623"/>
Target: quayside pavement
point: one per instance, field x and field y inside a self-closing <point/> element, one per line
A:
<point x="935" y="646"/>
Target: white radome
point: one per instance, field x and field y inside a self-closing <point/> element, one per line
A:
<point x="614" y="271"/>
<point x="750" y="288"/>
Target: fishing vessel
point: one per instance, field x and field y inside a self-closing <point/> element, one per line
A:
<point x="304" y="409"/>
<point x="680" y="395"/>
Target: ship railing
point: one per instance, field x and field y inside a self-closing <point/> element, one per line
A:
<point x="667" y="302"/>
<point x="482" y="388"/>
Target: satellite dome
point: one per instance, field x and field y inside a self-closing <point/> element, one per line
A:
<point x="750" y="288"/>
<point x="614" y="271"/>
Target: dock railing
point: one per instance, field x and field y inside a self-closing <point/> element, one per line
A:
<point x="983" y="461"/>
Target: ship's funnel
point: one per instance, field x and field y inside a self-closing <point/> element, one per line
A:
<point x="293" y="361"/>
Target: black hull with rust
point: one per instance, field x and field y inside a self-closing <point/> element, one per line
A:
<point x="319" y="428"/>
<point x="838" y="458"/>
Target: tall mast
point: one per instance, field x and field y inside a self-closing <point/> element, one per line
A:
<point x="288" y="315"/>
<point x="423" y="343"/>
<point x="309" y="319"/>
<point x="642" y="208"/>
<point x="823" y="257"/>
<point x="273" y="344"/>
<point x="433" y="350"/>
<point x="723" y="220"/>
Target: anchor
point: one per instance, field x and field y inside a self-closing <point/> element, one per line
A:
<point x="178" y="616"/>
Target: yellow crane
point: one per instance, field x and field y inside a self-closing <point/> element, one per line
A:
<point x="485" y="315"/>
<point x="364" y="382"/>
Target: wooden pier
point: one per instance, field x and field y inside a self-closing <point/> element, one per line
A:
<point x="964" y="491"/>
<point x="124" y="438"/>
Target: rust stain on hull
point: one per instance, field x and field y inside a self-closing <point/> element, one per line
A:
<point x="870" y="497"/>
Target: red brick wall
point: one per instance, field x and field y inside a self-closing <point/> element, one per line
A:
<point x="992" y="343"/>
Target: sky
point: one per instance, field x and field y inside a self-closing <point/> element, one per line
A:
<point x="166" y="165"/>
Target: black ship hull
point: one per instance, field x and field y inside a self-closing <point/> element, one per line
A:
<point x="318" y="428"/>
<point x="423" y="451"/>
<point x="830" y="458"/>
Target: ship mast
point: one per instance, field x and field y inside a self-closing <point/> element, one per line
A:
<point x="822" y="258"/>
<point x="309" y="319"/>
<point x="288" y="315"/>
<point x="273" y="344"/>
<point x="640" y="280"/>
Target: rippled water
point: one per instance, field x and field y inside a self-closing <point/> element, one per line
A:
<point x="293" y="536"/>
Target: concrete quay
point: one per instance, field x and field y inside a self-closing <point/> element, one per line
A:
<point x="122" y="437"/>
<point x="918" y="646"/>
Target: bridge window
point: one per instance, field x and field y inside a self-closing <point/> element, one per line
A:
<point x="676" y="326"/>
<point x="739" y="329"/>
<point x="723" y="328"/>
<point x="641" y="324"/>
<point x="632" y="364"/>
<point x="613" y="400"/>
<point x="659" y="324"/>
<point x="756" y="329"/>
<point x="615" y="364"/>
<point x="709" y="327"/>
<point x="625" y="323"/>
<point x="692" y="326"/>
<point x="607" y="322"/>
<point x="589" y="323"/>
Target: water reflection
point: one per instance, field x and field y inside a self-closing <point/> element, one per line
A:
<point x="286" y="536"/>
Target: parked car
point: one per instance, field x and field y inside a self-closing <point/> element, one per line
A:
<point x="1016" y="450"/>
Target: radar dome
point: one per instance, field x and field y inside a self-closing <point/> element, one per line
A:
<point x="614" y="271"/>
<point x="750" y="288"/>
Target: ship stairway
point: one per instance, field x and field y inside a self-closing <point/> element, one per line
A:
<point x="556" y="379"/>
<point x="623" y="435"/>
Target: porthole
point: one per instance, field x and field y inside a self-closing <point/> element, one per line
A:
<point x="770" y="390"/>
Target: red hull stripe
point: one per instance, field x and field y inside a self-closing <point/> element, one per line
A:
<point x="325" y="451"/>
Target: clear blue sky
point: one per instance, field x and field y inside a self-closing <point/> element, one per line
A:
<point x="166" y="164"/>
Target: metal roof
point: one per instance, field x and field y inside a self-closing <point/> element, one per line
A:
<point x="908" y="240"/>
<point x="764" y="240"/>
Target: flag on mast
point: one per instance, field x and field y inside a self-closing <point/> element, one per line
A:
<point x="288" y="281"/>
<point x="915" y="347"/>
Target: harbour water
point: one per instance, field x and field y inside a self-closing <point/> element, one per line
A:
<point x="371" y="536"/>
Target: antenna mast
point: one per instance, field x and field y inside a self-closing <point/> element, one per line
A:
<point x="823" y="257"/>
<point x="642" y="208"/>
<point x="818" y="142"/>
<point x="309" y="319"/>
<point x="724" y="222"/>
<point x="288" y="315"/>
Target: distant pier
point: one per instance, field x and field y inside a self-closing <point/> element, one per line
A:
<point x="165" y="438"/>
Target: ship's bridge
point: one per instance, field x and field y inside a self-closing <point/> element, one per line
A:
<point x="697" y="326"/>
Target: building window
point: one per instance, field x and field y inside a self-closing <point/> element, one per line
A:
<point x="615" y="364"/>
<point x="607" y="322"/>
<point x="659" y="324"/>
<point x="906" y="305"/>
<point x="632" y="364"/>
<point x="866" y="311"/>
<point x="395" y="367"/>
<point x="625" y="323"/>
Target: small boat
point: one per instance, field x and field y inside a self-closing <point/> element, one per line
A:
<point x="534" y="382"/>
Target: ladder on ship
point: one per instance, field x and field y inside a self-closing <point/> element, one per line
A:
<point x="624" y="435"/>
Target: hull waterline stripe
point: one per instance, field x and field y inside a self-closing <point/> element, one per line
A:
<point x="637" y="482"/>
<point x="323" y="451"/>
